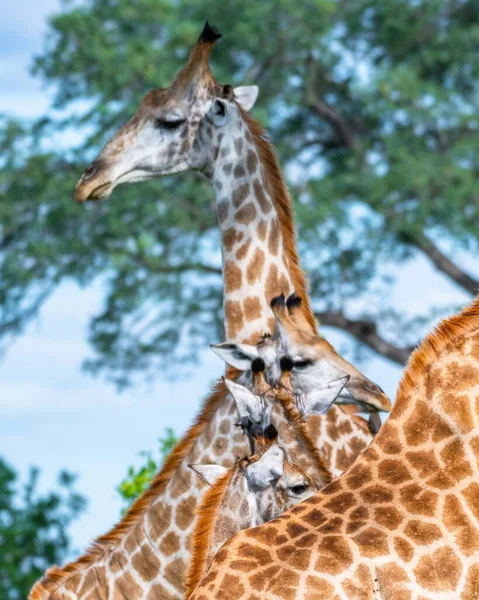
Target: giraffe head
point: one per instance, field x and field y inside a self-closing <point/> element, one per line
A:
<point x="315" y="362"/>
<point x="174" y="129"/>
<point x="253" y="491"/>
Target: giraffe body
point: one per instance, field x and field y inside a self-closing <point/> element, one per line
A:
<point x="403" y="522"/>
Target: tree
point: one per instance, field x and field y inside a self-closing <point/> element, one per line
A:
<point x="33" y="528"/>
<point x="371" y="106"/>
<point x="138" y="479"/>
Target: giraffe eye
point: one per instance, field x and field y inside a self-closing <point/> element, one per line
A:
<point x="169" y="124"/>
<point x="299" y="489"/>
<point x="302" y="364"/>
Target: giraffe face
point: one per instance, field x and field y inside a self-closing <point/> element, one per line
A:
<point x="174" y="129"/>
<point x="315" y="363"/>
<point x="261" y="487"/>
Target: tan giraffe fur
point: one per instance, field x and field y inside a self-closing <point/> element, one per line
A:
<point x="146" y="554"/>
<point x="403" y="522"/>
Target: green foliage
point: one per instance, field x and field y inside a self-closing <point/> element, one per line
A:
<point x="371" y="105"/>
<point x="138" y="479"/>
<point x="33" y="528"/>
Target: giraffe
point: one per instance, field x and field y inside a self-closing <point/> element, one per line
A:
<point x="402" y="523"/>
<point x="311" y="363"/>
<point x="201" y="125"/>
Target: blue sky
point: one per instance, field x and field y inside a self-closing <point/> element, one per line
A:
<point x="53" y="415"/>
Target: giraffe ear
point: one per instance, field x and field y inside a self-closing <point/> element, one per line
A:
<point x="320" y="399"/>
<point x="268" y="468"/>
<point x="238" y="356"/>
<point x="250" y="407"/>
<point x="209" y="473"/>
<point x="246" y="95"/>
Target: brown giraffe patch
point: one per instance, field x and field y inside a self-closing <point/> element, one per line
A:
<point x="376" y="494"/>
<point x="146" y="563"/>
<point x="318" y="588"/>
<point x="254" y="270"/>
<point x="243" y="250"/>
<point x="170" y="543"/>
<point x="455" y="463"/>
<point x="263" y="201"/>
<point x="422" y="533"/>
<point x="471" y="589"/>
<point x="271" y="286"/>
<point x="284" y="584"/>
<point x="404" y="549"/>
<point x="388" y="516"/>
<point x="239" y="172"/>
<point x="261" y="230"/>
<point x="391" y="581"/>
<point x="220" y="445"/>
<point x="372" y="542"/>
<point x="238" y="143"/>
<point x="246" y="214"/>
<point x="335" y="555"/>
<point x="95" y="577"/>
<point x="393" y="472"/>
<point x="179" y="485"/>
<point x="230" y="238"/>
<point x="224" y="427"/>
<point x="471" y="495"/>
<point x="175" y="573"/>
<point x="418" y="501"/>
<point x="358" y="476"/>
<point x="159" y="591"/>
<point x="424" y="462"/>
<point x="234" y="317"/>
<point x="273" y="241"/>
<point x="340" y="503"/>
<point x="439" y="571"/>
<point x="252" y="308"/>
<point x="185" y="512"/>
<point x="389" y="441"/>
<point x="232" y="277"/>
<point x="251" y="162"/>
<point x="126" y="587"/>
<point x="298" y="559"/>
<point x="240" y="195"/>
<point x="459" y="409"/>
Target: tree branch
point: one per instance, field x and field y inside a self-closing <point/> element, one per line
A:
<point x="365" y="331"/>
<point x="443" y="263"/>
<point x="324" y="110"/>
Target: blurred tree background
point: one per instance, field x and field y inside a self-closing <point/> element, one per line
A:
<point x="138" y="479"/>
<point x="372" y="107"/>
<point x="33" y="528"/>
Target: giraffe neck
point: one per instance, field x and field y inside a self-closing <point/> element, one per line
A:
<point x="260" y="259"/>
<point x="224" y="510"/>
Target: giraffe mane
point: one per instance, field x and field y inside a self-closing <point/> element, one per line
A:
<point x="206" y="513"/>
<point x="446" y="332"/>
<point x="56" y="576"/>
<point x="283" y="204"/>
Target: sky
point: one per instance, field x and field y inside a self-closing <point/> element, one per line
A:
<point x="55" y="416"/>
